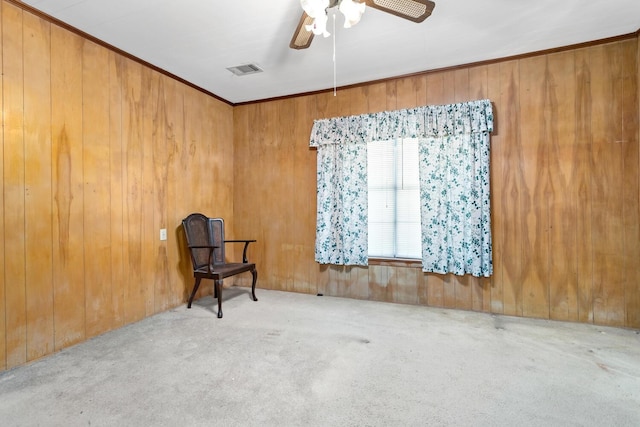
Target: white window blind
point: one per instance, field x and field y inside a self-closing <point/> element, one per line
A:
<point x="394" y="199"/>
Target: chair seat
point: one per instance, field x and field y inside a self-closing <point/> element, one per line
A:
<point x="225" y="270"/>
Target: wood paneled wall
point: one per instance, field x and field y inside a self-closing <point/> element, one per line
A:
<point x="565" y="173"/>
<point x="98" y="154"/>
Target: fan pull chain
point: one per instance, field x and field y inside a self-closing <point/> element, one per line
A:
<point x="334" y="54"/>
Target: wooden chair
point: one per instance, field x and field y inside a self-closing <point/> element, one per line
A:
<point x="206" y="242"/>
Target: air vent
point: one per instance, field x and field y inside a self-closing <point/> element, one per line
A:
<point x="243" y="70"/>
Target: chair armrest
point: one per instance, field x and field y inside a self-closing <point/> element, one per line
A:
<point x="244" y="251"/>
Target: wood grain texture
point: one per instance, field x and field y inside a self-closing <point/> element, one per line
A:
<point x="631" y="182"/>
<point x="582" y="178"/>
<point x="551" y="238"/>
<point x="97" y="190"/>
<point x="3" y="322"/>
<point x="134" y="292"/>
<point x="93" y="138"/>
<point x="493" y="295"/>
<point x="562" y="195"/>
<point x="38" y="189"/>
<point x="98" y="153"/>
<point x="511" y="186"/>
<point x="14" y="187"/>
<point x="116" y="189"/>
<point x="67" y="182"/>
<point x="632" y="186"/>
<point x="535" y="134"/>
<point x="160" y="138"/>
<point x="606" y="174"/>
<point x="177" y="257"/>
<point x="149" y="233"/>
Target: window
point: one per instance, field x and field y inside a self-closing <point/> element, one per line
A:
<point x="394" y="199"/>
<point x="441" y="216"/>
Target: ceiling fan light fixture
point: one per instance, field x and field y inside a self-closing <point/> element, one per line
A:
<point x="314" y="18"/>
<point x="319" y="25"/>
<point x="315" y="8"/>
<point x="352" y="12"/>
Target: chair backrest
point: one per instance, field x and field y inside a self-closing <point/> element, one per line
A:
<point x="201" y="231"/>
<point x="216" y="231"/>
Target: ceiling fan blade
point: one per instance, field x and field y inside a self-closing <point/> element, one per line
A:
<point x="302" y="37"/>
<point x="413" y="10"/>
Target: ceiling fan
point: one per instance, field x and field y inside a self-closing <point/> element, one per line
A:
<point x="314" y="18"/>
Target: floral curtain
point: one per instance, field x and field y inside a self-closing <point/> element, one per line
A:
<point x="454" y="179"/>
<point x="341" y="229"/>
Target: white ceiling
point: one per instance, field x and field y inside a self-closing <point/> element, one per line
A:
<point x="198" y="39"/>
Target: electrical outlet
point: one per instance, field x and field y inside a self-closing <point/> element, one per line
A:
<point x="163" y="234"/>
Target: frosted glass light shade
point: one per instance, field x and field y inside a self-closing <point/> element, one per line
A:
<point x="352" y="12"/>
<point x="314" y="8"/>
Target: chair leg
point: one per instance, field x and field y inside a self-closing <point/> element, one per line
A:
<point x="193" y="293"/>
<point x="218" y="291"/>
<point x="254" y="273"/>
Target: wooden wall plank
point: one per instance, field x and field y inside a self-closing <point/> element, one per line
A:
<point x="246" y="207"/>
<point x="3" y="324"/>
<point x="493" y="300"/>
<point x="267" y="116"/>
<point x="302" y="229"/>
<point x="534" y="134"/>
<point x="607" y="205"/>
<point x="67" y="181"/>
<point x="391" y="93"/>
<point x="631" y="132"/>
<point x="160" y="143"/>
<point x="132" y="114"/>
<point x="195" y="179"/>
<point x="97" y="189"/>
<point x="379" y="279"/>
<point x="407" y="90"/>
<point x="633" y="299"/>
<point x="14" y="186"/>
<point x="284" y="138"/>
<point x="512" y="188"/>
<point x="150" y="234"/>
<point x="177" y="257"/>
<point x="359" y="283"/>
<point x="405" y="290"/>
<point x="183" y="199"/>
<point x="450" y="284"/>
<point x="376" y="97"/>
<point x="462" y="89"/>
<point x="38" y="189"/>
<point x="562" y="195"/>
<point x="117" y="172"/>
<point x="631" y="182"/>
<point x="582" y="183"/>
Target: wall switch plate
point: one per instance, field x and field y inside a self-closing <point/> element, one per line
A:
<point x="163" y="234"/>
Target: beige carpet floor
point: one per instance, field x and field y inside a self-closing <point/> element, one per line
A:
<point x="303" y="360"/>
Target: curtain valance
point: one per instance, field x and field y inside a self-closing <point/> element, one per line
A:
<point x="420" y="122"/>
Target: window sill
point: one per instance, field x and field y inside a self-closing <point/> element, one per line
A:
<point x="396" y="262"/>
